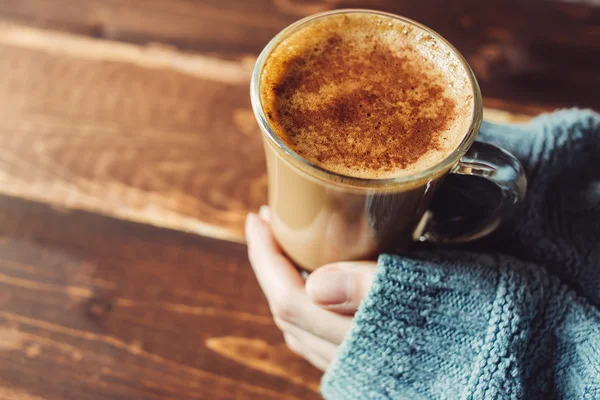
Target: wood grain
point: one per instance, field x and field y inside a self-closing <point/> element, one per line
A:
<point x="97" y="308"/>
<point x="139" y="109"/>
<point x="533" y="52"/>
<point x="148" y="134"/>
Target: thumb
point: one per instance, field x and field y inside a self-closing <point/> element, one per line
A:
<point x="340" y="287"/>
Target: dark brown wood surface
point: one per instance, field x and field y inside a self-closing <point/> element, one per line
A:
<point x="139" y="110"/>
<point x="148" y="134"/>
<point x="529" y="52"/>
<point x="95" y="308"/>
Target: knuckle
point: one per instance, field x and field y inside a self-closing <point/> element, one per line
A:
<point x="283" y="307"/>
<point x="283" y="311"/>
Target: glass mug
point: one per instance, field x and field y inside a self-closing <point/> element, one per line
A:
<point x="319" y="217"/>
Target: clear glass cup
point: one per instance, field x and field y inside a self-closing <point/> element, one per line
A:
<point x="319" y="216"/>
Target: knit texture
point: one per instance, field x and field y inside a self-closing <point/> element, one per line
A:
<point x="520" y="321"/>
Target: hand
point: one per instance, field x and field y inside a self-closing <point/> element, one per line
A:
<point x="314" y="317"/>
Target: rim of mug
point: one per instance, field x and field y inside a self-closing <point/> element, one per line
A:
<point x="335" y="178"/>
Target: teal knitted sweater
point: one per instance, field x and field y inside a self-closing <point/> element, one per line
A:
<point x="515" y="316"/>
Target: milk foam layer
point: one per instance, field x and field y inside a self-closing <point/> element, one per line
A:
<point x="367" y="96"/>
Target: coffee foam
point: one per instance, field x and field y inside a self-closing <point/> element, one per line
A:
<point x="366" y="96"/>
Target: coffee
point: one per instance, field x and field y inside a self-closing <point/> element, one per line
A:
<point x="361" y="113"/>
<point x="366" y="96"/>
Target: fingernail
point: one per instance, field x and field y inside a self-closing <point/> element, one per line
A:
<point x="328" y="287"/>
<point x="264" y="213"/>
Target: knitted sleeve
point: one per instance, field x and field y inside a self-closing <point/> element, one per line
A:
<point x="558" y="225"/>
<point x="467" y="326"/>
<point x="521" y="322"/>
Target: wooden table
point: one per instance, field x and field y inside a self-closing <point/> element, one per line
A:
<point x="130" y="158"/>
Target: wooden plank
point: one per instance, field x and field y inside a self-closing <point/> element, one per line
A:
<point x="95" y="308"/>
<point x="148" y="134"/>
<point x="207" y="25"/>
<point x="528" y="52"/>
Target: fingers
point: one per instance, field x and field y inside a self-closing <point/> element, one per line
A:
<point x="306" y="315"/>
<point x="340" y="287"/>
<point x="316" y="350"/>
<point x="300" y="348"/>
<point x="310" y="330"/>
<point x="284" y="287"/>
<point x="276" y="275"/>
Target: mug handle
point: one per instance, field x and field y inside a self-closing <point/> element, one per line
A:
<point x="499" y="169"/>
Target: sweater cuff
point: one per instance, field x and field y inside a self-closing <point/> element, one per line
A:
<point x="435" y="328"/>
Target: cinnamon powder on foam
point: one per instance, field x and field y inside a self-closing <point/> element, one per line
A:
<point x="355" y="95"/>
